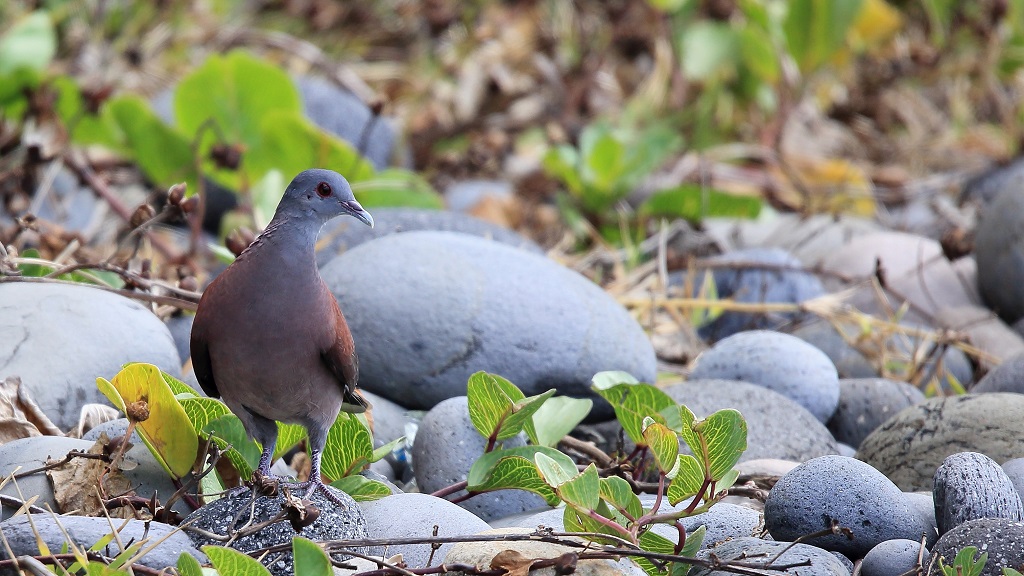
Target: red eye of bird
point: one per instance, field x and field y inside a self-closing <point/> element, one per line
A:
<point x="323" y="189"/>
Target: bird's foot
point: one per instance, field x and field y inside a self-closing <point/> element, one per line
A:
<point x="264" y="483"/>
<point x="313" y="485"/>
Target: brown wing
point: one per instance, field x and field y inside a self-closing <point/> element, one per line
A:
<point x="340" y="358"/>
<point x="200" y="349"/>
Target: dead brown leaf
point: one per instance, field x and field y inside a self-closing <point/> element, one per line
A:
<point x="512" y="562"/>
<point x="75" y="485"/>
<point x="20" y="416"/>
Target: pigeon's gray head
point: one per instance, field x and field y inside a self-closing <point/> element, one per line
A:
<point x="322" y="194"/>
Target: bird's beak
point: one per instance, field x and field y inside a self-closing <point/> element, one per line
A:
<point x="353" y="208"/>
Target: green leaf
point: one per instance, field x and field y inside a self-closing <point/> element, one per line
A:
<point x="288" y="436"/>
<point x="30" y="44"/>
<point x="349" y="447"/>
<point x="188" y="565"/>
<point x="164" y="154"/>
<point x="656" y="543"/>
<point x="696" y="203"/>
<point x="518" y="473"/>
<point x="168" y="431"/>
<point x="201" y="411"/>
<point x="384" y="450"/>
<point x="617" y="492"/>
<point x="556" y="418"/>
<point x="582" y="492"/>
<point x="709" y="49"/>
<point x="397" y="187"/>
<point x="310" y="558"/>
<point x="178" y="388"/>
<point x="497" y="408"/>
<point x="634" y="402"/>
<point x="663" y="442"/>
<point x="611" y="378"/>
<point x="244" y="453"/>
<point x="231" y="562"/>
<point x="562" y="162"/>
<point x="235" y="92"/>
<point x="816" y="29"/>
<point x="688" y="480"/>
<point x="290" y="143"/>
<point x="758" y="54"/>
<point x="362" y="489"/>
<point x="266" y="194"/>
<point x="725" y="434"/>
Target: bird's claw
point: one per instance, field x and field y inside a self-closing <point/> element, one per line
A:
<point x="265" y="484"/>
<point x="312" y="486"/>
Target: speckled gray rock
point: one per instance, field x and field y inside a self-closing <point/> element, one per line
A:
<point x="864" y="403"/>
<point x="724" y="521"/>
<point x="414" y="516"/>
<point x="482" y="553"/>
<point x="912" y="444"/>
<point x="1014" y="469"/>
<point x="1007" y="377"/>
<point x="780" y="362"/>
<point x="999" y="251"/>
<point x="892" y="557"/>
<point x="31" y="453"/>
<point x="845" y="490"/>
<point x="428" y="309"/>
<point x="749" y="549"/>
<point x="337" y="236"/>
<point x="1001" y="539"/>
<point x="446" y="447"/>
<point x="59" y="338"/>
<point x="87" y="531"/>
<point x="757" y="275"/>
<point x="777" y="427"/>
<point x="237" y="510"/>
<point x="969" y="486"/>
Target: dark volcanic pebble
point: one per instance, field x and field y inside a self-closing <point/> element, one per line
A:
<point x="969" y="486"/>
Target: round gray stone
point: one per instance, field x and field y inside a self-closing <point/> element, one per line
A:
<point x="346" y="116"/>
<point x="170" y="543"/>
<point x="969" y="486"/>
<point x="780" y="362"/>
<point x="777" y="427"/>
<point x="1014" y="469"/>
<point x="1007" y="377"/>
<point x="446" y="447"/>
<point x="864" y="403"/>
<point x="1001" y="539"/>
<point x="892" y="557"/>
<point x="748" y="550"/>
<point x="911" y="445"/>
<point x="835" y="488"/>
<point x="999" y="252"/>
<point x="428" y="309"/>
<point x="986" y="186"/>
<point x="343" y="234"/>
<point x="924" y="504"/>
<point x="238" y="509"/>
<point x="60" y="338"/>
<point x="414" y="516"/>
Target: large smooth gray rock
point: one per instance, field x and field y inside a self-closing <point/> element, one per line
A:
<point x="446" y="447"/>
<point x="414" y="515"/>
<point x="999" y="251"/>
<point x="428" y="309"/>
<point x="780" y="362"/>
<point x="969" y="486"/>
<point x="1007" y="377"/>
<point x="1001" y="539"/>
<point x="777" y="427"/>
<point x="911" y="445"/>
<point x="864" y="403"/>
<point x="84" y="531"/>
<point x="60" y="338"/>
<point x="892" y="557"/>
<point x="835" y="488"/>
<point x="342" y="234"/>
